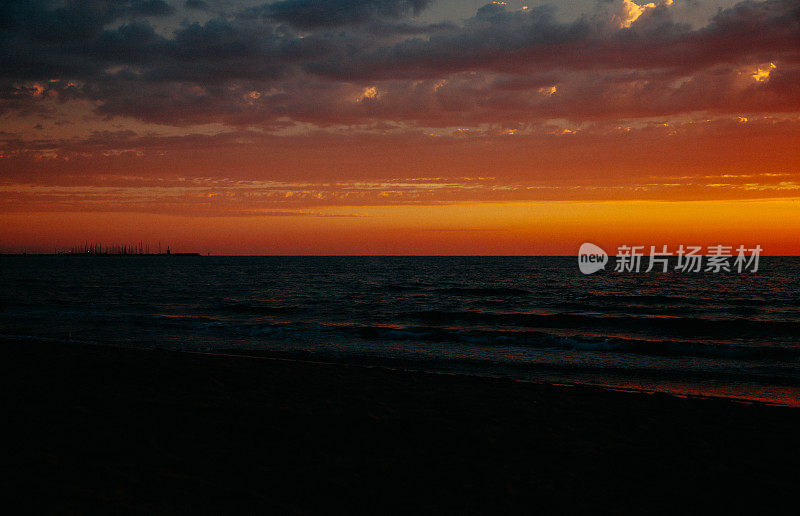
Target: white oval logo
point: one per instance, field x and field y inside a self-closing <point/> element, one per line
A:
<point x="591" y="258"/>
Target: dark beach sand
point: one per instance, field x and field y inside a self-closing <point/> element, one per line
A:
<point x="155" y="431"/>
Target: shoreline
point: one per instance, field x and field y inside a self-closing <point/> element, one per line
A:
<point x="550" y="375"/>
<point x="371" y="362"/>
<point x="166" y="431"/>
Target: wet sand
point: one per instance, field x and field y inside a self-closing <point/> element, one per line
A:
<point x="123" y="430"/>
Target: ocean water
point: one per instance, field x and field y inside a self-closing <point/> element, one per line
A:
<point x="529" y="318"/>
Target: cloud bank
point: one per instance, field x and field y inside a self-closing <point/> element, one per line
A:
<point x="297" y="61"/>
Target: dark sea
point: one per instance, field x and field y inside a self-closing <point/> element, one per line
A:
<point x="529" y="318"/>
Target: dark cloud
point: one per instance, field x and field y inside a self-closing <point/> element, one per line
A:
<point x="313" y="14"/>
<point x="74" y="21"/>
<point x="494" y="39"/>
<point x="533" y="40"/>
<point x="365" y="61"/>
<point x="46" y="39"/>
<point x="196" y="4"/>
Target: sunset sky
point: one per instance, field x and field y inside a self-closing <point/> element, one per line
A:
<point x="399" y="126"/>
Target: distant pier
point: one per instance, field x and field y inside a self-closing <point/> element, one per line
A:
<point x="90" y="249"/>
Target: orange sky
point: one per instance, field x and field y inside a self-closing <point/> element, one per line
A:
<point x="501" y="130"/>
<point x="518" y="228"/>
